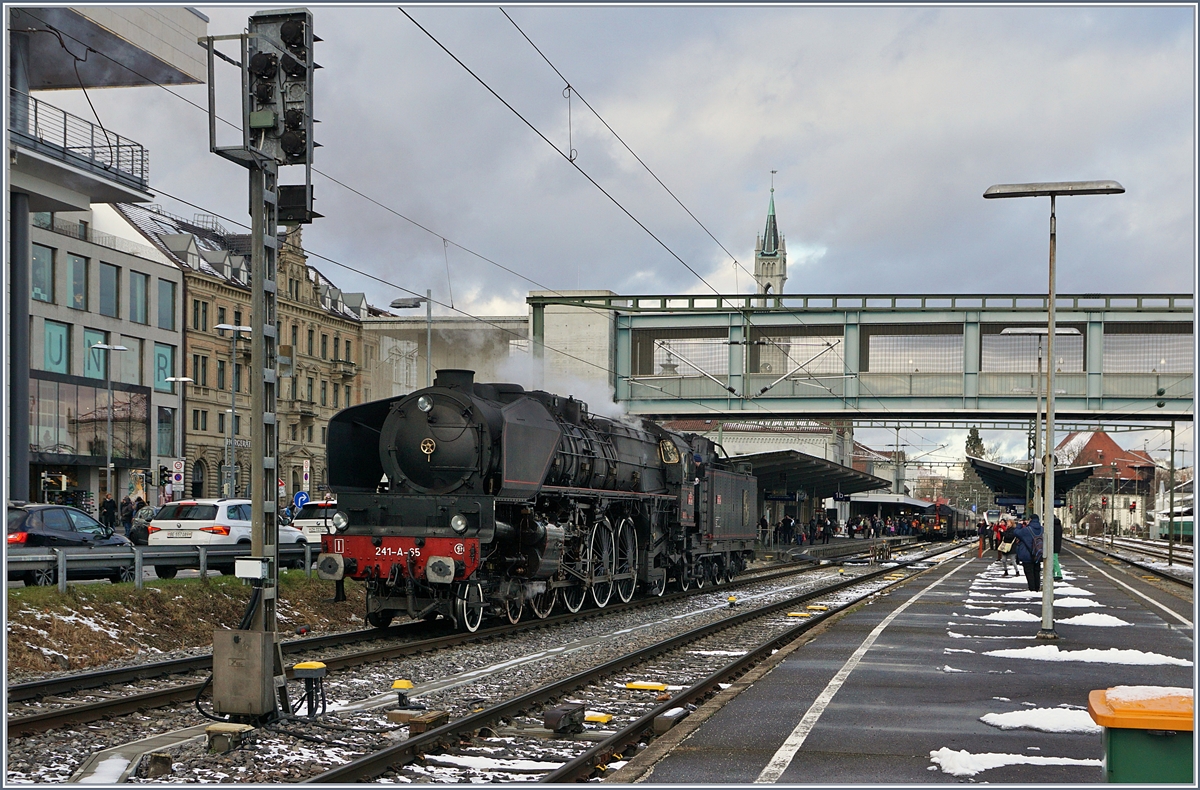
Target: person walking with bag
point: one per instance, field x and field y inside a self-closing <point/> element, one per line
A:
<point x="1029" y="552"/>
<point x="1058" y="533"/>
<point x="1005" y="546"/>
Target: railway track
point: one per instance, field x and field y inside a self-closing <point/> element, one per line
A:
<point x="1150" y="569"/>
<point x="698" y="657"/>
<point x="65" y="712"/>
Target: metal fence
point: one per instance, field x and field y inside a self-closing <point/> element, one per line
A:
<point x="58" y="134"/>
<point x="55" y="565"/>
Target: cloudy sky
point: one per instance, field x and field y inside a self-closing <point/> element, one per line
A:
<point x="885" y="126"/>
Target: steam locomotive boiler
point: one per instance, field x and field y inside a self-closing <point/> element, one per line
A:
<point x="469" y="500"/>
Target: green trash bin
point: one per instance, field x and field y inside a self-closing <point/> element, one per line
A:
<point x="1147" y="733"/>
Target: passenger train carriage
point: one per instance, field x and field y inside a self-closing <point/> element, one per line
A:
<point x="467" y="500"/>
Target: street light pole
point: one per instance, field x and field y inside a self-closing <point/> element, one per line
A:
<point x="108" y="465"/>
<point x="1051" y="190"/>
<point x="408" y="303"/>
<point x="230" y="452"/>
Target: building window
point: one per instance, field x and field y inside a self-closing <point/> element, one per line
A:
<point x="221" y="320"/>
<point x="237" y="424"/>
<point x="310" y="342"/>
<point x="292" y="379"/>
<point x="335" y="396"/>
<point x="196" y="314"/>
<point x="166" y="431"/>
<point x="237" y="377"/>
<point x="322" y="435"/>
<point x="56" y="341"/>
<point x="310" y="394"/>
<point x="295" y="338"/>
<point x="200" y="370"/>
<point x="349" y="355"/>
<point x="237" y="318"/>
<point x="292" y="431"/>
<point x="109" y="290"/>
<point x="77" y="275"/>
<point x="337" y="342"/>
<point x="166" y="305"/>
<point x="324" y="346"/>
<point x="324" y="387"/>
<point x="95" y="360"/>
<point x="164" y="367"/>
<point x="310" y="434"/>
<point x="41" y="275"/>
<point x="199" y="420"/>
<point x="220" y="374"/>
<point x="221" y="423"/>
<point x="138" y="285"/>
<point x="347" y="396"/>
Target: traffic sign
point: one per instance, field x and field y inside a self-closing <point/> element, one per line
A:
<point x="301" y="499"/>
<point x="177" y="465"/>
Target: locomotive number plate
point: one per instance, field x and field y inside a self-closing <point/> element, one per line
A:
<point x="401" y="551"/>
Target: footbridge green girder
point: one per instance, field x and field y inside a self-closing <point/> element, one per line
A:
<point x="883" y="357"/>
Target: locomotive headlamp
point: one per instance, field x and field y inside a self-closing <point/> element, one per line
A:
<point x="425" y="403"/>
<point x="459" y="523"/>
<point x="340" y="520"/>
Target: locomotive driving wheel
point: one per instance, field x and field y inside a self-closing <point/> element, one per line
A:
<point x="701" y="574"/>
<point x="658" y="585"/>
<point x="685" y="581"/>
<point x="602" y="562"/>
<point x="514" y="602"/>
<point x="469" y="605"/>
<point x="542" y="604"/>
<point x="625" y="571"/>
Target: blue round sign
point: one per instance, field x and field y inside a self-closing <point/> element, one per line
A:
<point x="300" y="499"/>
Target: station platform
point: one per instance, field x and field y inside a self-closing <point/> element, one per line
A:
<point x="902" y="689"/>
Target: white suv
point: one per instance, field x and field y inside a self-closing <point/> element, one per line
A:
<point x="208" y="522"/>
<point x="314" y="520"/>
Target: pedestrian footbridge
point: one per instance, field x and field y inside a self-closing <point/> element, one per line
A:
<point x="1116" y="356"/>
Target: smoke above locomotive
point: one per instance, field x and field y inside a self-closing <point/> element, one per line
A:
<point x="467" y="500"/>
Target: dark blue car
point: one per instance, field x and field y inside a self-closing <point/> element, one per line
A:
<point x="57" y="526"/>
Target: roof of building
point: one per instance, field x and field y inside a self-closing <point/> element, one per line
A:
<point x="1082" y="448"/>
<point x="792" y="470"/>
<point x="213" y="246"/>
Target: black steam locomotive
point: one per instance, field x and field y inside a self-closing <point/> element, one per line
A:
<point x="466" y="500"/>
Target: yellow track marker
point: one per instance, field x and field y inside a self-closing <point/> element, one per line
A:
<point x="641" y="685"/>
<point x="817" y="607"/>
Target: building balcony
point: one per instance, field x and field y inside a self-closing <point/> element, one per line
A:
<point x="302" y="408"/>
<point x="345" y="369"/>
<point x="70" y="160"/>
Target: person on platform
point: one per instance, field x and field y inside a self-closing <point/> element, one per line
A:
<point x="1029" y="552"/>
<point x="764" y="528"/>
<point x="1058" y="533"/>
<point x="1006" y="550"/>
<point x="108" y="512"/>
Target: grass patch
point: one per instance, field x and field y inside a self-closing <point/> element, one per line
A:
<point x="95" y="624"/>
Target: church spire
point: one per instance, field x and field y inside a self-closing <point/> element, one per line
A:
<point x="770" y="254"/>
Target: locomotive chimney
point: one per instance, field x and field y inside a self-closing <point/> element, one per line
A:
<point x="571" y="411"/>
<point x="455" y="379"/>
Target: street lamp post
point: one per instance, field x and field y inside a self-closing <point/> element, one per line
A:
<point x="108" y="465"/>
<point x="408" y="303"/>
<point x="1112" y="507"/>
<point x="230" y="452"/>
<point x="1051" y="190"/>
<point x="180" y="380"/>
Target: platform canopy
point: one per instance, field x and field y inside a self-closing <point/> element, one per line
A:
<point x="792" y="470"/>
<point x="1011" y="481"/>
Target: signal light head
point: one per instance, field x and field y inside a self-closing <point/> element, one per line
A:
<point x="293" y="143"/>
<point x="292" y="33"/>
<point x="264" y="92"/>
<point x="262" y="65"/>
<point x="293" y="119"/>
<point x="292" y="67"/>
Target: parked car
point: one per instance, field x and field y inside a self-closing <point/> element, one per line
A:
<point x="58" y="526"/>
<point x="314" y="519"/>
<point x="209" y="522"/>
<point x="140" y="533"/>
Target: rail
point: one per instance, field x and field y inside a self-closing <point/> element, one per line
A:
<point x="58" y="134"/>
<point x="62" y="561"/>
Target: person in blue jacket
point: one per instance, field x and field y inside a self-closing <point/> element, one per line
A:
<point x="1029" y="552"/>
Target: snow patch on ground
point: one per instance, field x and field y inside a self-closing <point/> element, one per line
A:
<point x="1090" y="656"/>
<point x="956" y="635"/>
<point x="958" y="650"/>
<point x="963" y="763"/>
<point x="1095" y="618"/>
<point x="1043" y="719"/>
<point x="1076" y="603"/>
<point x="1009" y="616"/>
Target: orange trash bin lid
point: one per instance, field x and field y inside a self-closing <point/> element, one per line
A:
<point x="1142" y="708"/>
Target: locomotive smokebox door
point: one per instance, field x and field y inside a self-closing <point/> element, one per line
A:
<point x="567" y="717"/>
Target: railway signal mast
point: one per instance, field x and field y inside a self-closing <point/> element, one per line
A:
<point x="277" y="121"/>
